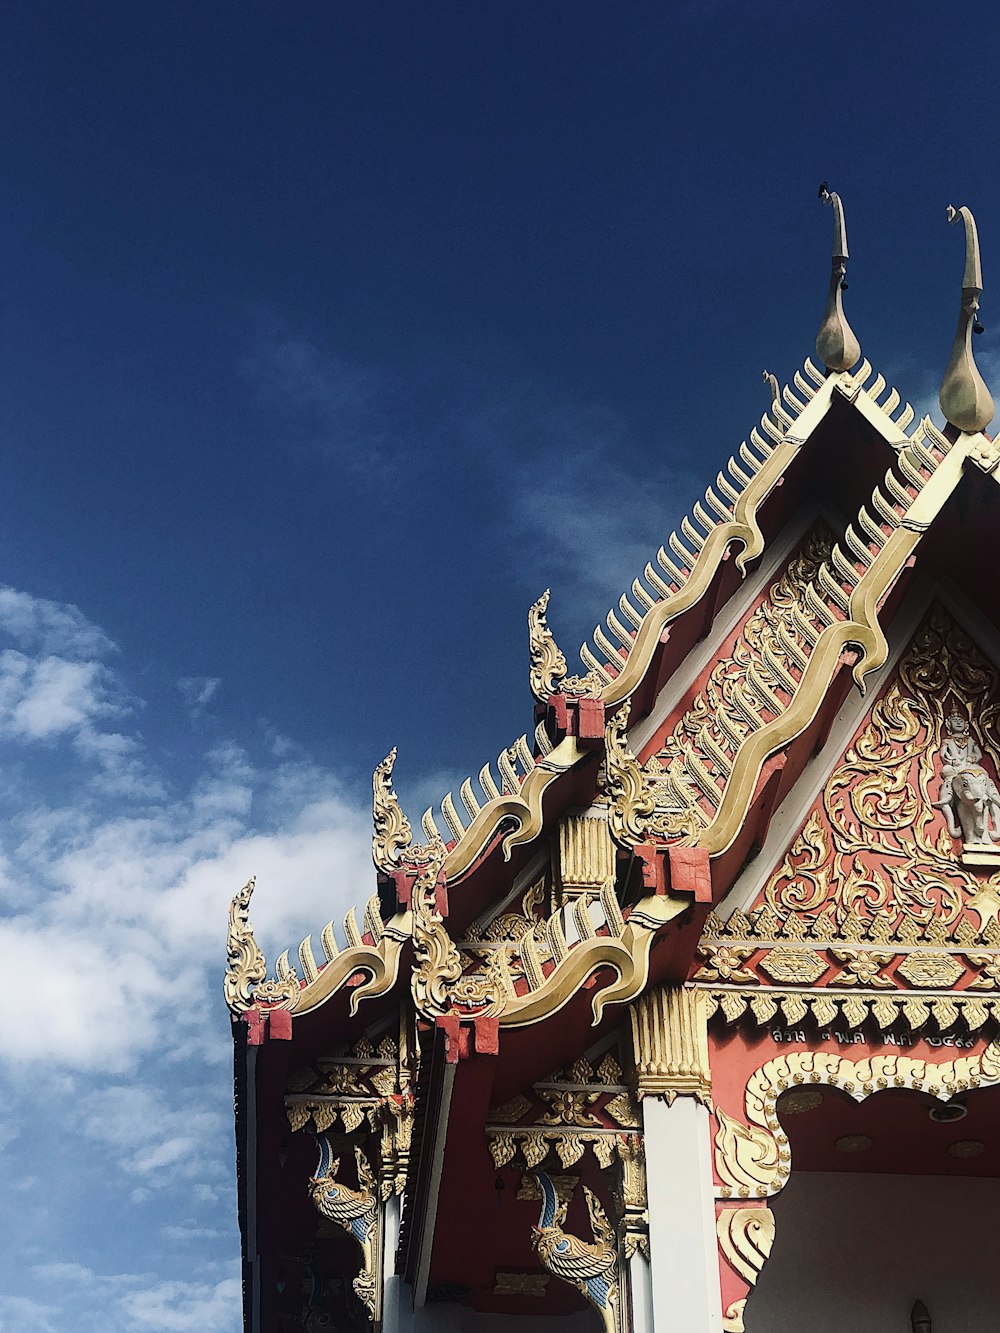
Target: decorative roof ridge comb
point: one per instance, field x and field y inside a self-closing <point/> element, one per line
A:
<point x="965" y="400"/>
<point x="836" y="345"/>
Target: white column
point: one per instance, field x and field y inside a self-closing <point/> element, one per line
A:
<point x="640" y="1293"/>
<point x="682" y="1240"/>
<point x="397" y="1312"/>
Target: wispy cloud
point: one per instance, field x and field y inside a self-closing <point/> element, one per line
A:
<point x="36" y="624"/>
<point x="198" y="692"/>
<point x="353" y="415"/>
<point x="23" y="1314"/>
<point x="114" y="886"/>
<point x="573" y="505"/>
<point x="554" y="479"/>
<point x="124" y="1300"/>
<point x="184" y="1307"/>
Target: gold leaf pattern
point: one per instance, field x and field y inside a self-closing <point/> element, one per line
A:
<point x="743" y="690"/>
<point x="937" y="971"/>
<point x="752" y="1158"/>
<point x="877" y="806"/>
<point x="863" y="967"/>
<point x="725" y="963"/>
<point x="794" y="966"/>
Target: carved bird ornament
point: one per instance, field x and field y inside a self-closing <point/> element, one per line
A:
<point x="351" y="1209"/>
<point x="590" y="1265"/>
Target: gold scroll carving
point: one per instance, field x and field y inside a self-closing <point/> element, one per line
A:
<point x="743" y="691"/>
<point x="575" y="1109"/>
<point x="246" y="983"/>
<point x="391" y="829"/>
<point x="644" y="802"/>
<point x="746" y="1236"/>
<point x="753" y="1159"/>
<point x="368" y="1088"/>
<point x="670" y="1042"/>
<point x="584" y="1107"/>
<point x="439" y="981"/>
<point x="247" y="966"/>
<point x="548" y="662"/>
<point x="635" y="1207"/>
<point x="874" y="848"/>
<point x="871" y="966"/>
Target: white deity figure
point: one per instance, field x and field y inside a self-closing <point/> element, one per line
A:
<point x="968" y="798"/>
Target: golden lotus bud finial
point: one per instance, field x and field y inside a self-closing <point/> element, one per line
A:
<point x="836" y="344"/>
<point x="965" y="400"/>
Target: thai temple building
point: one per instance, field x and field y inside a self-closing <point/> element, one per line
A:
<point x="682" y="1017"/>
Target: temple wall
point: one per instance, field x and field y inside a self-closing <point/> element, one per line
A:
<point x="853" y="1252"/>
<point x="455" y="1319"/>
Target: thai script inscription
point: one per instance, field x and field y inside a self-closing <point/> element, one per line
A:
<point x="782" y="1035"/>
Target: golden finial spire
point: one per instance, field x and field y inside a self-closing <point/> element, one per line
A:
<point x="836" y="344"/>
<point x="965" y="400"/>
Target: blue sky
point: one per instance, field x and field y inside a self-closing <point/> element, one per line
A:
<point x="330" y="335"/>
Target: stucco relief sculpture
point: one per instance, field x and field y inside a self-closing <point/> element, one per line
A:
<point x="752" y="1153"/>
<point x="590" y="1266"/>
<point x="357" y="1212"/>
<point x="968" y="797"/>
<point x="877" y="844"/>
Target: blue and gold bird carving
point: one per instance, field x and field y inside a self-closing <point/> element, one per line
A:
<point x="592" y="1267"/>
<point x="354" y="1210"/>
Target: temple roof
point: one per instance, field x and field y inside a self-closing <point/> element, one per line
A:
<point x="595" y="859"/>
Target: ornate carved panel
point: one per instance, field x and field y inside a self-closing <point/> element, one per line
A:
<point x="585" y="1109"/>
<point x="877" y="849"/>
<point x="760" y="967"/>
<point x="576" y="1108"/>
<point x="752" y="1155"/>
<point x="744" y="690"/>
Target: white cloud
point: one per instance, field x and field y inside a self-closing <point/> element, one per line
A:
<point x="180" y="1307"/>
<point x="141" y="1301"/>
<point x="51" y="627"/>
<point x="115" y="884"/>
<point x="135" y="910"/>
<point x="119" y="891"/>
<point x="198" y="691"/>
<point x="59" y="1272"/>
<point x="43" y="698"/>
<point x="152" y="1138"/>
<point x="21" y="1314"/>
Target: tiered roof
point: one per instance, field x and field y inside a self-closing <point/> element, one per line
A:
<point x="595" y="859"/>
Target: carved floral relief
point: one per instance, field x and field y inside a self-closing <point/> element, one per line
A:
<point x="885" y="839"/>
<point x="745" y="689"/>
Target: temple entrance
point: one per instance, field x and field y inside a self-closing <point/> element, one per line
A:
<point x="889" y="1202"/>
